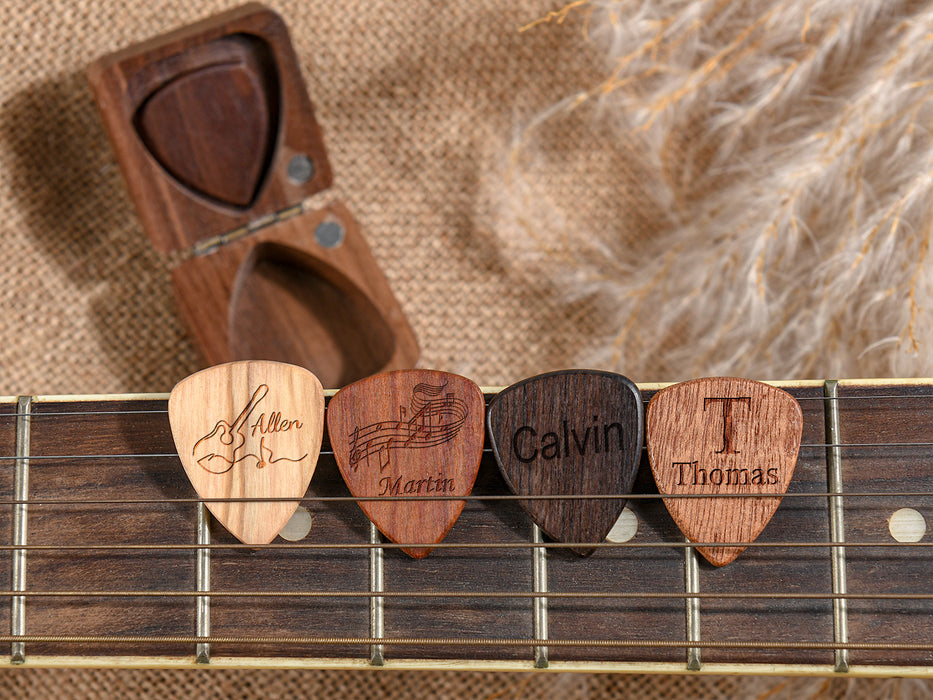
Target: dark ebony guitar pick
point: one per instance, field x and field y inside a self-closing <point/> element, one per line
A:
<point x="574" y="432"/>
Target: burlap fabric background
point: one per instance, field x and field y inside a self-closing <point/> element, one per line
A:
<point x="418" y="101"/>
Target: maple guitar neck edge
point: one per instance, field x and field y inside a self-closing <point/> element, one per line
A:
<point x="100" y="535"/>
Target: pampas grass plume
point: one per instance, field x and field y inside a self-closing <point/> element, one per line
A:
<point x="782" y="155"/>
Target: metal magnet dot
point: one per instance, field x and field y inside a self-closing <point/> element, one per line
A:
<point x="329" y="234"/>
<point x="300" y="169"/>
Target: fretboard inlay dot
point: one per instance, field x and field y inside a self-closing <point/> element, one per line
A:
<point x="907" y="525"/>
<point x="298" y="526"/>
<point x="625" y="528"/>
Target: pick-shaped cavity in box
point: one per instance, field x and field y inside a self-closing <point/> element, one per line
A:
<point x="213" y="127"/>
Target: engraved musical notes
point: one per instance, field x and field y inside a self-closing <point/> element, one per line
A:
<point x="410" y="433"/>
<point x="249" y="430"/>
<point x="722" y="436"/>
<point x="434" y="420"/>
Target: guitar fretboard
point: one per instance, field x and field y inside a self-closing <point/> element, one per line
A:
<point x="111" y="560"/>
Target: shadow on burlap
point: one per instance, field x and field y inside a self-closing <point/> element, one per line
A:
<point x="416" y="103"/>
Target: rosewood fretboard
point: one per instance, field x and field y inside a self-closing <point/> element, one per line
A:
<point x="100" y="533"/>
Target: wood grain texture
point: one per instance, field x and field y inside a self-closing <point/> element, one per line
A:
<point x="801" y="518"/>
<point x="76" y="447"/>
<point x="574" y="432"/>
<point x="65" y="430"/>
<point x="886" y="436"/>
<point x="213" y="129"/>
<point x="723" y="436"/>
<point x="638" y="565"/>
<point x="477" y="572"/>
<point x="289" y="299"/>
<point x="7" y="449"/>
<point x="91" y="450"/>
<point x="204" y="121"/>
<point x="336" y="568"/>
<point x="414" y="433"/>
<point x="249" y="430"/>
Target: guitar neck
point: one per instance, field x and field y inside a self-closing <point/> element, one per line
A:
<point x="112" y="561"/>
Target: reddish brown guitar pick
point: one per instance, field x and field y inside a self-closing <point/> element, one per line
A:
<point x="409" y="433"/>
<point x="723" y="436"/>
<point x="249" y="430"/>
<point x="575" y="432"/>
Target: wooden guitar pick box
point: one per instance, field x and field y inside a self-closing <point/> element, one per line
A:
<point x="217" y="140"/>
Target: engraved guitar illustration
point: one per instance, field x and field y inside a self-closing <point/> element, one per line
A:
<point x="434" y="421"/>
<point x="225" y="445"/>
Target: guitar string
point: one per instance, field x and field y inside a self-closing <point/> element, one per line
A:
<point x="170" y="455"/>
<point x="432" y="596"/>
<point x="491" y="595"/>
<point x="349" y="546"/>
<point x="253" y="640"/>
<point x="38" y="415"/>
<point x="486" y="451"/>
<point x="469" y="497"/>
<point x="39" y="501"/>
<point x="40" y="406"/>
<point x="488" y="398"/>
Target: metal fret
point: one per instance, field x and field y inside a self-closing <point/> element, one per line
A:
<point x="376" y="603"/>
<point x="540" y="604"/>
<point x="203" y="574"/>
<point x="836" y="525"/>
<point x="692" y="585"/>
<point x="20" y="525"/>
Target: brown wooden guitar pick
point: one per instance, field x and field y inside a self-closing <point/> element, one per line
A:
<point x="576" y="432"/>
<point x="723" y="436"/>
<point x="249" y="430"/>
<point x="409" y="433"/>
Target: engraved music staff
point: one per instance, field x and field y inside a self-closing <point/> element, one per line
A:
<point x="434" y="420"/>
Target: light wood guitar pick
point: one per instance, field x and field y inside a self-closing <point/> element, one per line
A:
<point x="409" y="433"/>
<point x="576" y="432"/>
<point x="249" y="430"/>
<point x="723" y="436"/>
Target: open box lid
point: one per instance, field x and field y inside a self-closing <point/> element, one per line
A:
<point x="212" y="126"/>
